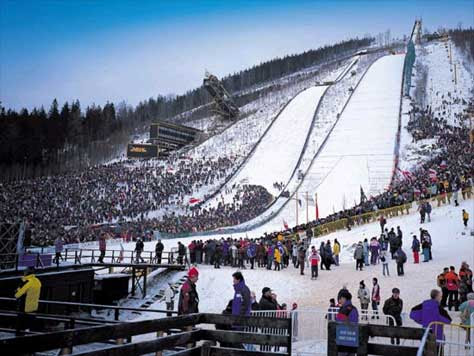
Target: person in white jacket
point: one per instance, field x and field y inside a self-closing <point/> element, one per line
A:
<point x="169" y="298"/>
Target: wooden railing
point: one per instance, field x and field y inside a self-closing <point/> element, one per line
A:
<point x="87" y="307"/>
<point x="67" y="339"/>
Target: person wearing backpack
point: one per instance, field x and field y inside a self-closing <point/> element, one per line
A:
<point x="466" y="309"/>
<point x="400" y="259"/>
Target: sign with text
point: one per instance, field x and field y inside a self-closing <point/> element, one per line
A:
<point x="347" y="335"/>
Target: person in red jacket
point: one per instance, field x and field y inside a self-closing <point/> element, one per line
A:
<point x="188" y="297"/>
<point x="375" y="298"/>
<point x="452" y="284"/>
<point x="314" y="261"/>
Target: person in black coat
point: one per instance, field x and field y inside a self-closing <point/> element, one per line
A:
<point x="159" y="251"/>
<point x="181" y="253"/>
<point x="266" y="301"/>
<point x="139" y="249"/>
<point x="393" y="306"/>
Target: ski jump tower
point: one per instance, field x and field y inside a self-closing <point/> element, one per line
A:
<point x="416" y="33"/>
<point x="224" y="104"/>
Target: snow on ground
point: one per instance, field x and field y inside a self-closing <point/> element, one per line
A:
<point x="361" y="143"/>
<point x="293" y="121"/>
<point x="277" y="154"/>
<point x="276" y="139"/>
<point x="331" y="106"/>
<point x="451" y="245"/>
<point x="448" y="75"/>
<point x="434" y="57"/>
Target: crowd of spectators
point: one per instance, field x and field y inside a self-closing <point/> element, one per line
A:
<point x="248" y="202"/>
<point x="106" y="193"/>
<point x="127" y="192"/>
<point x="449" y="170"/>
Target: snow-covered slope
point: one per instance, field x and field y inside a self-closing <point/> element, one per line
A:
<point x="437" y="66"/>
<point x="276" y="156"/>
<point x="447" y="78"/>
<point x="362" y="143"/>
<point x="359" y="151"/>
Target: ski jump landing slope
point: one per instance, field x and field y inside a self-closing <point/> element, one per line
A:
<point x="277" y="154"/>
<point x="359" y="151"/>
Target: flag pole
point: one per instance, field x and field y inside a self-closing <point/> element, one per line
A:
<point x="316" y="205"/>
<point x="296" y="205"/>
<point x="307" y="208"/>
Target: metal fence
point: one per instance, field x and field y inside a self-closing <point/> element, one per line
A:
<point x="451" y="339"/>
<point x="309" y="330"/>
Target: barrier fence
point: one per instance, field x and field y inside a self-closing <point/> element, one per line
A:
<point x="451" y="339"/>
<point x="309" y="331"/>
<point x="367" y="218"/>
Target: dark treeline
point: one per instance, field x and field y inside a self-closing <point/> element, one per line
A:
<point x="168" y="107"/>
<point x="464" y="39"/>
<point x="39" y="142"/>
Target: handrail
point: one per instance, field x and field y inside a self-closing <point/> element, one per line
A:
<point x="96" y="306"/>
<point x="432" y="328"/>
<point x="59" y="317"/>
<point x="424" y="339"/>
<point x="73" y="337"/>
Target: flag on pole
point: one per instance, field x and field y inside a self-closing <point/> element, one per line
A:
<point x="285" y="224"/>
<point x="316" y="204"/>
<point x="194" y="201"/>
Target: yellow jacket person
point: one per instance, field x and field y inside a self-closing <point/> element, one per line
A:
<point x="31" y="289"/>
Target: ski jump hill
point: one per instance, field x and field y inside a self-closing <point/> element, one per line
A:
<point x="357" y="152"/>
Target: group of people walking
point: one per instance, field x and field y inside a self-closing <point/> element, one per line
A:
<point x="455" y="287"/>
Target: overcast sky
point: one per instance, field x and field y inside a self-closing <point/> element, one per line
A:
<point x="99" y="51"/>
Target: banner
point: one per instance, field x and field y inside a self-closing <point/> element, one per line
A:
<point x="135" y="150"/>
